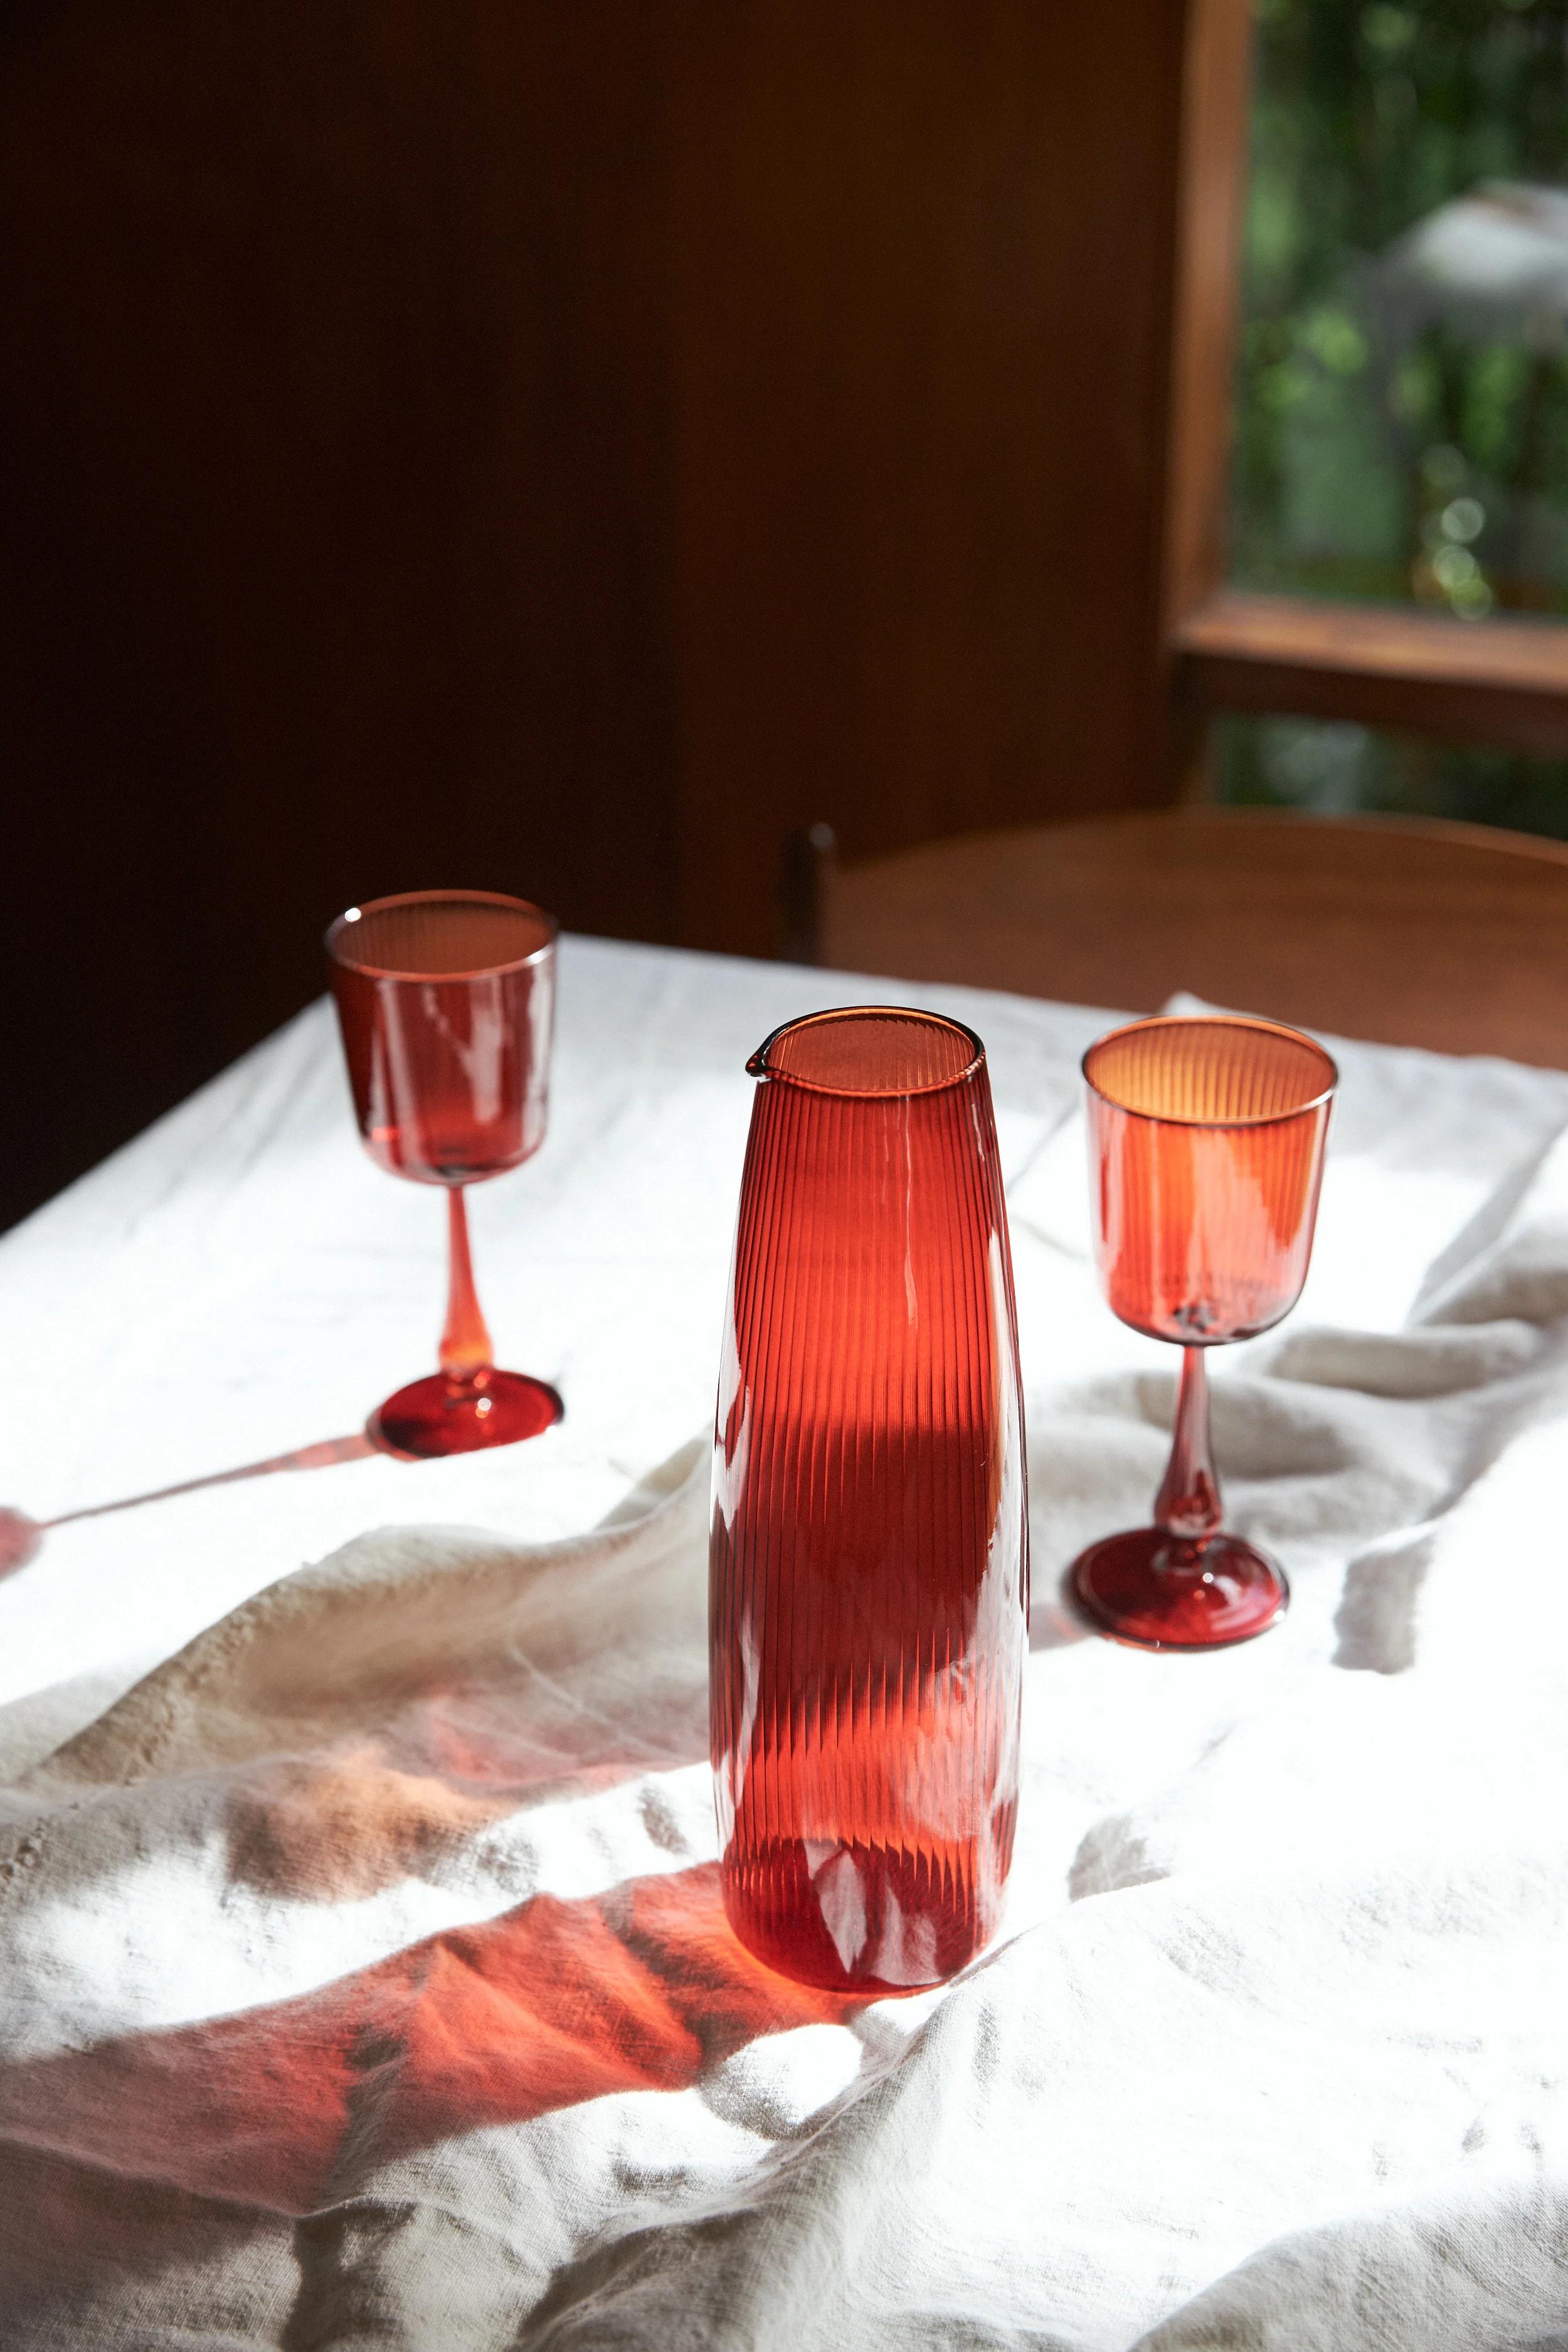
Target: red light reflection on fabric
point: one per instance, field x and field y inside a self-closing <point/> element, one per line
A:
<point x="644" y="1987"/>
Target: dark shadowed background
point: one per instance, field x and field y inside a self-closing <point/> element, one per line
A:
<point x="554" y="445"/>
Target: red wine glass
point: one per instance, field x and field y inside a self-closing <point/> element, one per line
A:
<point x="446" y="1000"/>
<point x="1207" y="1155"/>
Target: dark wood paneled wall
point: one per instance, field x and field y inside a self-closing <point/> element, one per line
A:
<point x="924" y="253"/>
<point x="562" y="443"/>
<point x="333" y="420"/>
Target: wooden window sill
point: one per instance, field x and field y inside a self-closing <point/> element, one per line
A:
<point x="1497" y="681"/>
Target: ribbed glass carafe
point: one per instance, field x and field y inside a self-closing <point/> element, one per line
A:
<point x="868" y="1595"/>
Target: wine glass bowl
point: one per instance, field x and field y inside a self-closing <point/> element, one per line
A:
<point x="445" y="999"/>
<point x="1206" y="1138"/>
<point x="445" y="1002"/>
<point x="1205" y="1147"/>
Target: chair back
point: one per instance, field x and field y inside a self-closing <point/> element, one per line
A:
<point x="1408" y="930"/>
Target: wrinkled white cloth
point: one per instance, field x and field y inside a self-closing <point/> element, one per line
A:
<point x="365" y="1980"/>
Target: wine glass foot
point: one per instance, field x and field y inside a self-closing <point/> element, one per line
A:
<point x="1159" y="1591"/>
<point x="20" y="1537"/>
<point x="436" y="1416"/>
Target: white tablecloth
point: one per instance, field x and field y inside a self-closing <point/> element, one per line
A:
<point x="364" y="1979"/>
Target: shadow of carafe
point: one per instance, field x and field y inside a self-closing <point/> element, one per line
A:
<point x="560" y="2001"/>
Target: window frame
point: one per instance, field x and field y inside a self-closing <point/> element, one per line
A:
<point x="1502" y="682"/>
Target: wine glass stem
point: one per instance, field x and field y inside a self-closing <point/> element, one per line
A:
<point x="1188" y="1502"/>
<point x="466" y="1349"/>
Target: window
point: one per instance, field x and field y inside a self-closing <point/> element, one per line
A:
<point x="1369" y="537"/>
<point x="1336" y="767"/>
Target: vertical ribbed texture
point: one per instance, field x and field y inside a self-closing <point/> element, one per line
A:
<point x="1207" y="1151"/>
<point x="869" y="1544"/>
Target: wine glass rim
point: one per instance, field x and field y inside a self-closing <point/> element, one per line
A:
<point x="759" y="1068"/>
<point x="343" y="924"/>
<point x="1214" y="1020"/>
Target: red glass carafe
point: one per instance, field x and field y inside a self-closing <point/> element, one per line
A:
<point x="869" y="1593"/>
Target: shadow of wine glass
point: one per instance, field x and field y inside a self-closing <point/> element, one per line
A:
<point x="21" y="1537"/>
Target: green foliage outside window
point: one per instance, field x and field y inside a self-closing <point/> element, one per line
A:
<point x="1402" y="416"/>
<point x="1354" y="439"/>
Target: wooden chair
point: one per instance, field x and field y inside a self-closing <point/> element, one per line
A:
<point x="1415" y="932"/>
